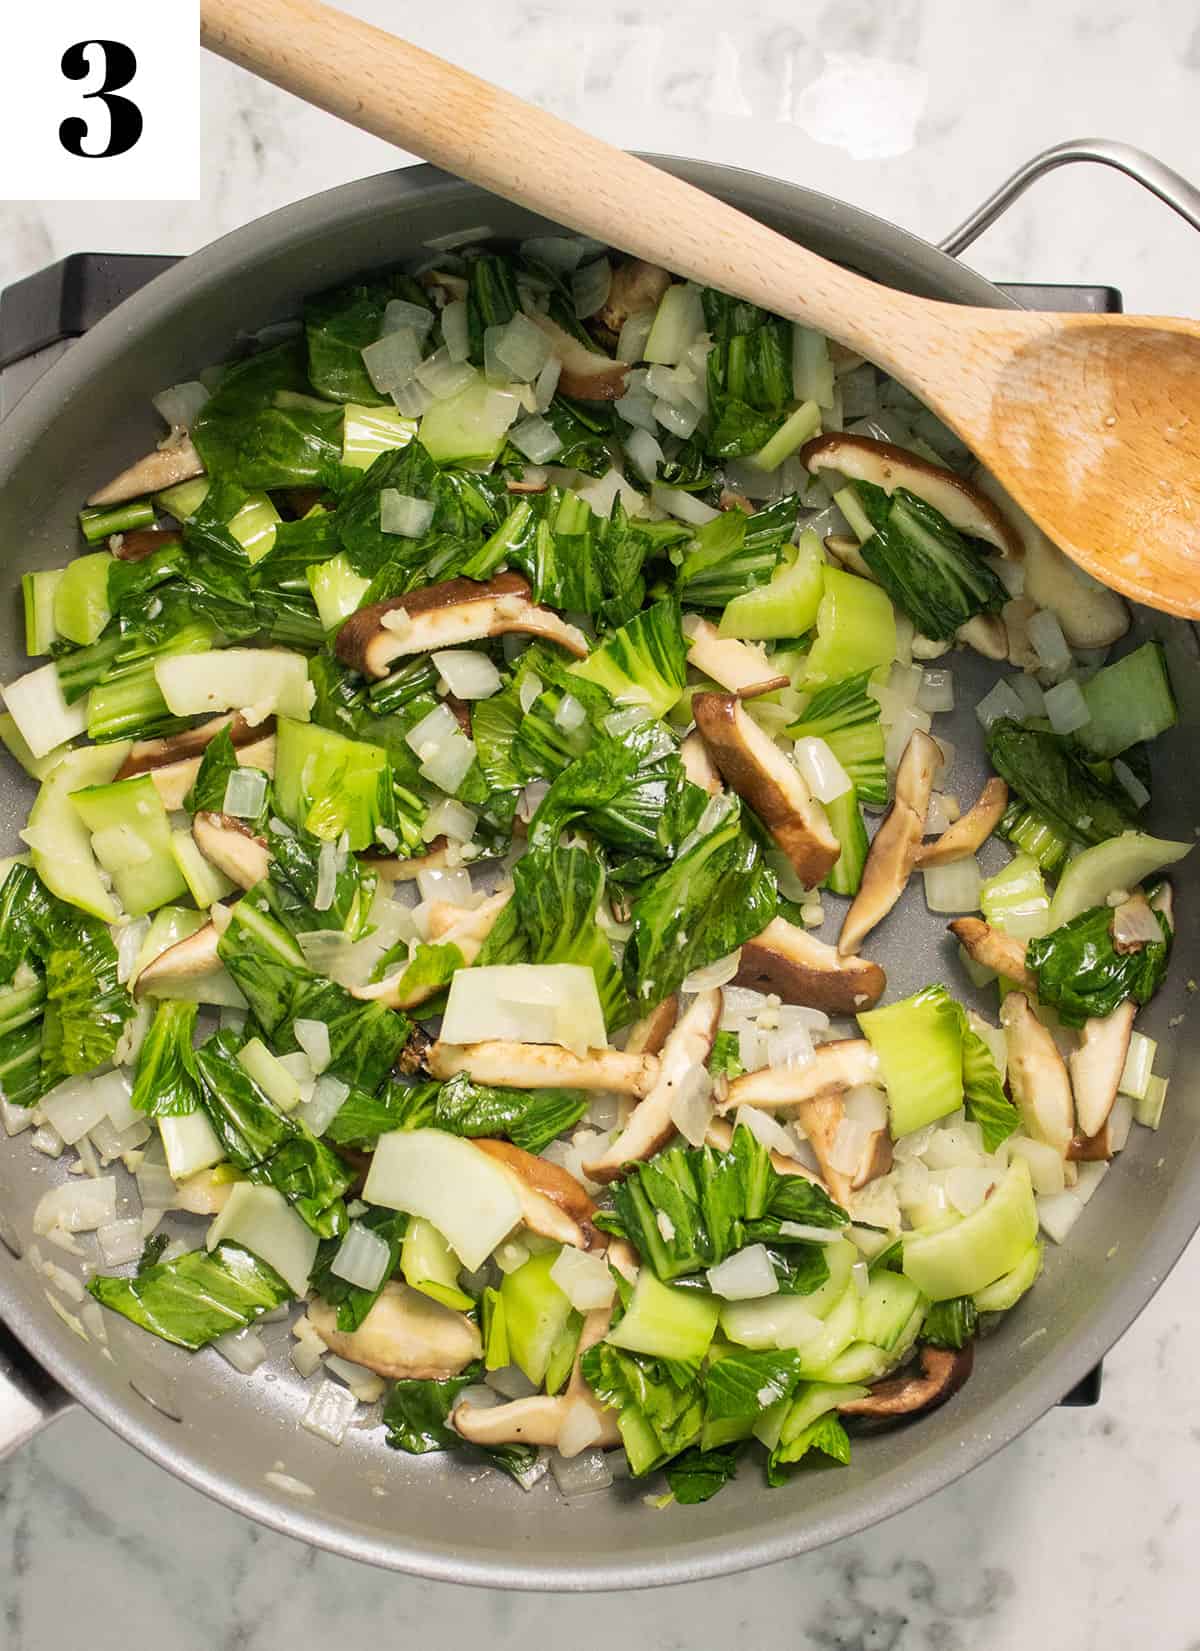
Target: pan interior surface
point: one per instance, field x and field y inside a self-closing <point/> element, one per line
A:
<point x="239" y="1438"/>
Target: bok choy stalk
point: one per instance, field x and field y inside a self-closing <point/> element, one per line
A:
<point x="1030" y="834"/>
<point x="556" y="895"/>
<point x="1044" y="770"/>
<point x="926" y="566"/>
<point x="1081" y="974"/>
<point x="197" y="1297"/>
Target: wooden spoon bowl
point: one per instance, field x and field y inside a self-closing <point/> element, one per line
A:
<point x="1090" y="421"/>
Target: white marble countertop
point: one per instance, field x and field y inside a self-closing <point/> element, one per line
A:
<point x="1080" y="1534"/>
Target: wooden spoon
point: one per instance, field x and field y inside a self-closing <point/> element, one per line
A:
<point x="1091" y="421"/>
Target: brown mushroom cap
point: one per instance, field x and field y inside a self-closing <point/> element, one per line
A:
<point x="637" y="287"/>
<point x="585" y="374"/>
<point x="406" y="1336"/>
<point x="894" y="848"/>
<point x="447" y="614"/>
<point x="138" y="543"/>
<point x="840" y="1064"/>
<point x="552" y="1181"/>
<point x="802" y="969"/>
<point x="178" y="461"/>
<point x="647" y="1036"/>
<point x="230" y="845"/>
<point x="147" y="755"/>
<point x="185" y="960"/>
<point x="943" y="1371"/>
<point x="965" y="506"/>
<point x="971" y="830"/>
<point x="544" y="1066"/>
<point x="757" y="770"/>
<point x="651" y="1125"/>
<point x="993" y="949"/>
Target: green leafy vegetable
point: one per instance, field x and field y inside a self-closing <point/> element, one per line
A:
<point x="644" y="662"/>
<point x="353" y="1303"/>
<point x="197" y="1297"/>
<point x="735" y="553"/>
<point x="926" y="566"/>
<point x="744" y="1382"/>
<point x="166" y="1083"/>
<point x="749" y="374"/>
<point x="338" y="325"/>
<point x="262" y="428"/>
<point x="697" y="1475"/>
<point x="416" y="1415"/>
<point x="846" y="717"/>
<point x="1080" y="972"/>
<point x="216" y="765"/>
<point x="724" y="1059"/>
<point x="951" y="1323"/>
<point x="1047" y="774"/>
<point x="983" y="1089"/>
<point x="826" y="1437"/>
<point x="660" y="1405"/>
<point x="530" y="1119"/>
<point x="716" y="894"/>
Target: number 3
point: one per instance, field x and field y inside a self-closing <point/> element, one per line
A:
<point x="124" y="117"/>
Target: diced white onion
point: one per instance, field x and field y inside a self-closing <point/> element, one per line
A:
<point x="546" y="384"/>
<point x="467" y="673"/>
<point x="449" y="819"/>
<point x="330" y="1412"/>
<point x="820" y="770"/>
<point x="590" y="286"/>
<point x="1029" y="691"/>
<point x="412" y="399"/>
<point x="936" y="693"/>
<point x="645" y="454"/>
<point x="362" y="1257"/>
<point x="768" y="1130"/>
<point x="636" y="407"/>
<point x="907" y="721"/>
<point x="537" y="438"/>
<point x="442" y="377"/>
<point x="77" y="1206"/>
<point x="1066" y="707"/>
<point x="327" y="875"/>
<point x="583" y="1278"/>
<point x="365" y="1385"/>
<point x="570" y="714"/>
<point x="401" y="513"/>
<point x="393" y="359"/>
<point x="449" y="883"/>
<point x="1058" y="1214"/>
<point x="181" y="404"/>
<point x="790" y="1048"/>
<point x="810" y="1235"/>
<point x="849" y="1144"/>
<point x="400" y="313"/>
<point x="155" y="1186"/>
<point x="1088" y="1178"/>
<point x="866" y="1105"/>
<point x="1045" y="1164"/>
<point x="999" y="701"/>
<point x="245" y="791"/>
<point x="434" y="729"/>
<point x="449" y="763"/>
<point x="244" y="1349"/>
<point x="954" y="887"/>
<point x="745" y="1276"/>
<point x="120" y="1241"/>
<point x="691" y="1105"/>
<point x="508" y="1256"/>
<point x="680" y="420"/>
<point x="15" y="1119"/>
<point x="313" y="1038"/>
<point x="582" y="1475"/>
<point x="601" y="491"/>
<point x="712" y="975"/>
<point x="751" y="1052"/>
<point x="456" y="330"/>
<point x="683" y="505"/>
<point x="967" y="1187"/>
<point x="1128" y="780"/>
<point x="75" y="1106"/>
<point x="1048" y="642"/>
<point x="1120" y="1122"/>
<point x="632" y="339"/>
<point x="581" y="1428"/>
<point x="328" y="1097"/>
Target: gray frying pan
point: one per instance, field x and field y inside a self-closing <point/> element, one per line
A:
<point x="233" y="1436"/>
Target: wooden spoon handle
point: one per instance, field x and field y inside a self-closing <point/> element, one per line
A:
<point x="411" y="98"/>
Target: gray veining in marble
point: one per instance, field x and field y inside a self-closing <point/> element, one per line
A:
<point x="1084" y="1533"/>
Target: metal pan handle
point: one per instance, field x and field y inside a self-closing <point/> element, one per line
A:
<point x="29" y="1398"/>
<point x="1152" y="174"/>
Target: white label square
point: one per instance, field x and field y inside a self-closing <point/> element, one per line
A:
<point x="101" y="101"/>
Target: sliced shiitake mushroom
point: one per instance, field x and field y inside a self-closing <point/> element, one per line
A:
<point x="1096" y="1066"/>
<point x="840" y="1064"/>
<point x="229" y="844"/>
<point x="446" y="615"/>
<point x="1037" y="1075"/>
<point x="406" y="1336"/>
<point x="178" y="461"/>
<point x="651" y="1125"/>
<point x="185" y="960"/>
<point x="894" y="850"/>
<point x="943" y="1371"/>
<point x="637" y="287"/>
<point x="965" y="506"/>
<point x="757" y="770"/>
<point x="541" y="1418"/>
<point x="586" y="374"/>
<point x="147" y="755"/>
<point x="788" y="960"/>
<point x="448" y="925"/>
<point x="971" y="830"/>
<point x="737" y="666"/>
<point x="540" y="1213"/>
<point x="138" y="543"/>
<point x="993" y="949"/>
<point x="544" y="1066"/>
